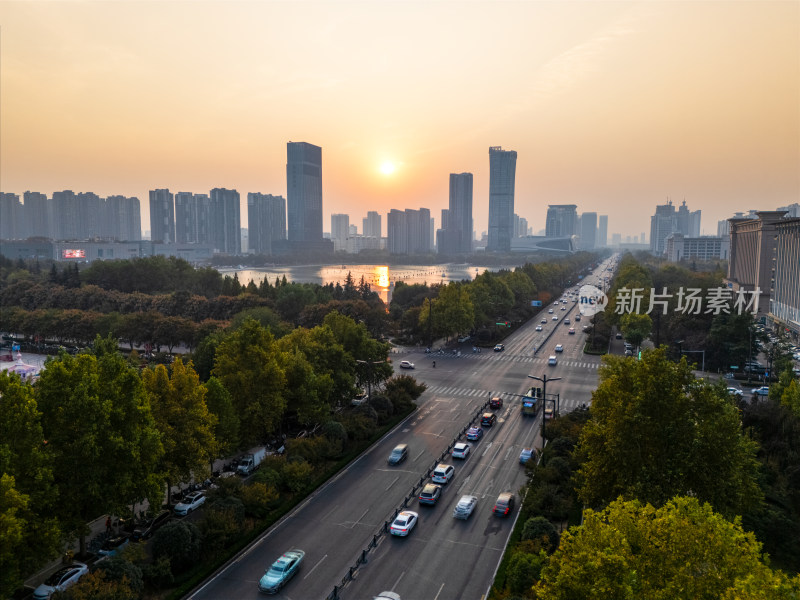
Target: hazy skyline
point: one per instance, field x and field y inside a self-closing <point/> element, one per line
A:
<point x="613" y="106"/>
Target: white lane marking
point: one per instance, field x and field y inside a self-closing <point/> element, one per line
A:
<point x="488" y="447"/>
<point x="393" y="482"/>
<point x="314" y="567"/>
<point x="436" y="597"/>
<point x="398" y="580"/>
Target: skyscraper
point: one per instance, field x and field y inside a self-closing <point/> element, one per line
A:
<point x="11" y="217"/>
<point x="602" y="232"/>
<point x="456" y="231"/>
<point x="588" y="232"/>
<point x="304" y="191"/>
<point x="225" y="222"/>
<point x="561" y="221"/>
<point x="664" y="222"/>
<point x="162" y="216"/>
<point x="502" y="171"/>
<point x="266" y="221"/>
<point x="409" y="231"/>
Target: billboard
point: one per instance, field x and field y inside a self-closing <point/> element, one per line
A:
<point x="76" y="253"/>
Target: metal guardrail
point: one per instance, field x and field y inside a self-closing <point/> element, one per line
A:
<point x="363" y="558"/>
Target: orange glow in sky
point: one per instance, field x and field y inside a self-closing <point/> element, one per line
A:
<point x="613" y="106"/>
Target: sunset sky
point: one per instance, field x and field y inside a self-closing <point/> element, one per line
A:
<point x="613" y="106"/>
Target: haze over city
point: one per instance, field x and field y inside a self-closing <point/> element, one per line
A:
<point x="615" y="107"/>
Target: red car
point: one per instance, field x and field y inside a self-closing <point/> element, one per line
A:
<point x="496" y="402"/>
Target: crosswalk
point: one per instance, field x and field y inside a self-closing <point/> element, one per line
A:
<point x="453" y="391"/>
<point x="521" y="358"/>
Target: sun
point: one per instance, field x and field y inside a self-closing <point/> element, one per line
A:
<point x="387" y="168"/>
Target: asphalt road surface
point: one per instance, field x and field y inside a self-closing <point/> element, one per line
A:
<point x="443" y="558"/>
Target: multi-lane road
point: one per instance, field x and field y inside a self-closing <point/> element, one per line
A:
<point x="443" y="558"/>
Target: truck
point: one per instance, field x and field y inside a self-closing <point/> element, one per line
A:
<point x="251" y="462"/>
<point x="530" y="402"/>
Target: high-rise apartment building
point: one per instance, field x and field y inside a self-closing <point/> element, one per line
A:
<point x="602" y="231"/>
<point x="192" y="218"/>
<point x="561" y="221"/>
<point x="162" y="216"/>
<point x="304" y="192"/>
<point x="409" y="231"/>
<point x="39" y="215"/>
<point x="225" y="222"/>
<point x="588" y="234"/>
<point x="266" y="222"/>
<point x="372" y="225"/>
<point x="340" y="231"/>
<point x="124" y="219"/>
<point x="502" y="175"/>
<point x="11" y="217"/>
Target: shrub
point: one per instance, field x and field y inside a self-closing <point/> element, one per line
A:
<point x="542" y="532"/>
<point x="298" y="475"/>
<point x="257" y="499"/>
<point x="179" y="542"/>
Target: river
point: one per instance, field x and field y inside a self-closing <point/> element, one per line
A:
<point x="381" y="278"/>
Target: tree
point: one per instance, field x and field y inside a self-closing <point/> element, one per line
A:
<point x="453" y="311"/>
<point x="186" y="425"/>
<point x="541" y="531"/>
<point x="178" y="541"/>
<point x="226" y="429"/>
<point x="657" y="432"/>
<point x="682" y="551"/>
<point x="96" y="418"/>
<point x="29" y="534"/>
<point x="636" y="327"/>
<point x="246" y="363"/>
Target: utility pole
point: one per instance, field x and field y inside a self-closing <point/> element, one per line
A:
<point x="544" y="379"/>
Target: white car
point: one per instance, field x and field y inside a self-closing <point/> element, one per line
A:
<point x="465" y="507"/>
<point x="406" y="364"/>
<point x="552" y="361"/>
<point x="555" y="318"/>
<point x="735" y="391"/>
<point x="192" y="502"/>
<point x="404" y="523"/>
<point x="59" y="581"/>
<point x="443" y="473"/>
<point x="461" y="450"/>
<point x="538" y="328"/>
<point x="559" y="348"/>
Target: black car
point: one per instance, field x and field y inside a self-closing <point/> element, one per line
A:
<point x="148" y="528"/>
<point x="488" y="419"/>
<point x="504" y="504"/>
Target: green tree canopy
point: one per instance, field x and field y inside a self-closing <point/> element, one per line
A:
<point x="681" y="551"/>
<point x="97" y="420"/>
<point x="186" y="425"/>
<point x="657" y="432"/>
<point x="29" y="533"/>
<point x="246" y="363"/>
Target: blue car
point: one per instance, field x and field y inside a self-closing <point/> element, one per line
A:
<point x="281" y="571"/>
<point x="474" y="433"/>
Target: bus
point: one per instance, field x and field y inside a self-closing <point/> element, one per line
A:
<point x="530" y="402"/>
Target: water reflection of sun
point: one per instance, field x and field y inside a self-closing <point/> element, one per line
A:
<point x="381" y="276"/>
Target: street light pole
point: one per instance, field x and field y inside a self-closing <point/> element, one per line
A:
<point x="430" y="324"/>
<point x="544" y="379"/>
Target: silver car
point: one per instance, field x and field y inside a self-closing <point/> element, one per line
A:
<point x="465" y="506"/>
<point x="59" y="581"/>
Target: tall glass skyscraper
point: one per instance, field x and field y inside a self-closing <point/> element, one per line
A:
<point x="304" y="192"/>
<point x="502" y="172"/>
